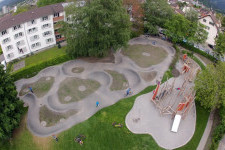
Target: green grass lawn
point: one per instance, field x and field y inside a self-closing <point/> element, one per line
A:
<point x="145" y="55"/>
<point x="100" y="134"/>
<point x="45" y="55"/>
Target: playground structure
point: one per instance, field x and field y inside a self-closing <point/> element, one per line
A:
<point x="177" y="98"/>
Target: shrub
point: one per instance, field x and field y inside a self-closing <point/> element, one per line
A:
<point x="196" y="50"/>
<point x="59" y="46"/>
<point x="176" y="57"/>
<point x="219" y="131"/>
<point x="31" y="71"/>
<point x="134" y="34"/>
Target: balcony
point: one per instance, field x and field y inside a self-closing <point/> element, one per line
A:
<point x="60" y="39"/>
<point x="60" y="18"/>
<point x="57" y="33"/>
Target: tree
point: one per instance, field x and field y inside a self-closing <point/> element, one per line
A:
<point x="192" y="15"/>
<point x="137" y="10"/>
<point x="156" y="12"/>
<point x="220" y="44"/>
<point x="181" y="4"/>
<point x="179" y="28"/>
<point x="95" y="28"/>
<point x="134" y="8"/>
<point x="223" y="22"/>
<point x="201" y="34"/>
<point x="11" y="107"/>
<point x="42" y="3"/>
<point x="210" y="87"/>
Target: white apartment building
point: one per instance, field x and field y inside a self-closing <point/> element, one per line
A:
<point x="30" y="31"/>
<point x="211" y="27"/>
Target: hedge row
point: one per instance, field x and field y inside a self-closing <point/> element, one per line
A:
<point x="196" y="50"/>
<point x="175" y="58"/>
<point x="31" y="71"/>
<point x="219" y="131"/>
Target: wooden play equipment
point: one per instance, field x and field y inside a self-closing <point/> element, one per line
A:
<point x="186" y="68"/>
<point x="177" y="99"/>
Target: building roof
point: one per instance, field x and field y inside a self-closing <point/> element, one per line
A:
<point x="178" y="11"/>
<point x="10" y="21"/>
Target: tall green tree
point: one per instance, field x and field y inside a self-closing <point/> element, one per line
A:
<point x="11" y="107"/>
<point x="42" y="3"/>
<point x="96" y="28"/>
<point x="192" y="15"/>
<point x="180" y="28"/>
<point x="156" y="12"/>
<point x="200" y="34"/>
<point x="223" y="21"/>
<point x="210" y="87"/>
<point x="220" y="44"/>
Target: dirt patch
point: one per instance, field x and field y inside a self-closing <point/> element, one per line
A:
<point x="175" y="73"/>
<point x="145" y="55"/>
<point x="70" y="86"/>
<point x="148" y="76"/>
<point x="40" y="87"/>
<point x="82" y="88"/>
<point x="77" y="69"/>
<point x="119" y="81"/>
<point x="107" y="59"/>
<point x="67" y="98"/>
<point x="52" y="117"/>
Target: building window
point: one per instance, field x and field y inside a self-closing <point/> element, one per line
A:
<point x="16" y="27"/>
<point x="207" y="27"/>
<point x="9" y="47"/>
<point x="6" y="40"/>
<point x="18" y="35"/>
<point x="204" y="20"/>
<point x="35" y="37"/>
<point x="20" y="43"/>
<point x="44" y="18"/>
<point x="35" y="45"/>
<point x="11" y="55"/>
<point x="32" y="30"/>
<point x="50" y="40"/>
<point x="33" y="22"/>
<point x="58" y="36"/>
<point x="211" y="23"/>
<point x="56" y="14"/>
<point x="22" y="50"/>
<point x="46" y="26"/>
<point x="4" y="32"/>
<point x="47" y="33"/>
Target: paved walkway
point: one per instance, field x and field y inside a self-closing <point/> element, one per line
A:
<point x="145" y="117"/>
<point x="86" y="107"/>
